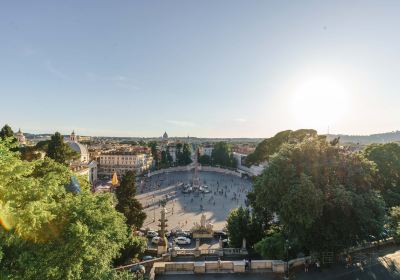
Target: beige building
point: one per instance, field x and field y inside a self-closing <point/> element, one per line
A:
<point x="121" y="162"/>
<point x="20" y="138"/>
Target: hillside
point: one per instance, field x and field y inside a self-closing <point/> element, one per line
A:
<point x="367" y="139"/>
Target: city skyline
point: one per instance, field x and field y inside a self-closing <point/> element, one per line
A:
<point x="225" y="69"/>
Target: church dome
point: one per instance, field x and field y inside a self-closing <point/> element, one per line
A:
<point x="165" y="136"/>
<point x="81" y="149"/>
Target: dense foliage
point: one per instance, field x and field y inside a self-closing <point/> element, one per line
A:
<point x="6" y="132"/>
<point x="272" y="145"/>
<point x="222" y="155"/>
<point x="387" y="160"/>
<point x="204" y="160"/>
<point x="183" y="154"/>
<point x="127" y="202"/>
<point x="241" y="224"/>
<point x="59" y="151"/>
<point x="325" y="198"/>
<point x="49" y="233"/>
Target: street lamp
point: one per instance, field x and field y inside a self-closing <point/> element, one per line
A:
<point x="287" y="248"/>
<point x="154" y="211"/>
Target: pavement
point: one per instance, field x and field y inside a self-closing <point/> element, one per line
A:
<point x="227" y="192"/>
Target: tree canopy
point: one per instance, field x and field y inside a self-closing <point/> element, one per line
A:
<point x="221" y="155"/>
<point x="272" y="145"/>
<point x="241" y="224"/>
<point x="60" y="151"/>
<point x="127" y="202"/>
<point x="183" y="154"/>
<point x="6" y="132"/>
<point x="49" y="233"/>
<point x="324" y="197"/>
<point x="387" y="159"/>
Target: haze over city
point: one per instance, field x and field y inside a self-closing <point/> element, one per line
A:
<point x="204" y="68"/>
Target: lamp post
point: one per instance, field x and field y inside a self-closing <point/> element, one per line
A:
<point x="154" y="211"/>
<point x="287" y="248"/>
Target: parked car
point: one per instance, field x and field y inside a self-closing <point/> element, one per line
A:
<point x="183" y="234"/>
<point x="147" y="258"/>
<point x="152" y="233"/>
<point x="155" y="240"/>
<point x="220" y="234"/>
<point x="138" y="268"/>
<point x="183" y="240"/>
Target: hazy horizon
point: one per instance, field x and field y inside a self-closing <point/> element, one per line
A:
<point x="66" y="133"/>
<point x="213" y="69"/>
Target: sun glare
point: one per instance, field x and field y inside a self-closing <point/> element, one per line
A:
<point x="319" y="102"/>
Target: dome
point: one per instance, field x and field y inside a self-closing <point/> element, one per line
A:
<point x="165" y="136"/>
<point x="81" y="149"/>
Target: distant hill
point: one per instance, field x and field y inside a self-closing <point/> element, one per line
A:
<point x="367" y="139"/>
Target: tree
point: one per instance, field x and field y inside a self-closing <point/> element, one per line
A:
<point x="186" y="154"/>
<point x="164" y="160"/>
<point x="170" y="160"/>
<point x="241" y="224"/>
<point x="387" y="159"/>
<point x="135" y="246"/>
<point x="60" y="151"/>
<point x="221" y="155"/>
<point x="49" y="233"/>
<point x="205" y="160"/>
<point x="154" y="152"/>
<point x="272" y="246"/>
<point x="272" y="145"/>
<point x="323" y="196"/>
<point x="127" y="202"/>
<point x="6" y="132"/>
<point x="29" y="153"/>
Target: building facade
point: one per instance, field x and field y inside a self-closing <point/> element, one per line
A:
<point x="121" y="162"/>
<point x="20" y="138"/>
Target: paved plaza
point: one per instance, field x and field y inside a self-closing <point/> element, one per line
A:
<point x="226" y="192"/>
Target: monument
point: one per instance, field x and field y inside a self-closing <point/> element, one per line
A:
<point x="162" y="245"/>
<point x="202" y="230"/>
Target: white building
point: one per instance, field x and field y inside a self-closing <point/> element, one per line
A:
<point x="79" y="148"/>
<point x="121" y="162"/>
<point x="206" y="150"/>
<point x="82" y="166"/>
<point x="253" y="170"/>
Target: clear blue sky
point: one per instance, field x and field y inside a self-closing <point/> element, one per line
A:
<point x="203" y="68"/>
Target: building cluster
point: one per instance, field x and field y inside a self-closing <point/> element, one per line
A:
<point x="103" y="158"/>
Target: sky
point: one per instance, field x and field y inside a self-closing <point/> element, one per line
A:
<point x="200" y="68"/>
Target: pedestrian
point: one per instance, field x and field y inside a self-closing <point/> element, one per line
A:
<point x="318" y="266"/>
<point x="306" y="266"/>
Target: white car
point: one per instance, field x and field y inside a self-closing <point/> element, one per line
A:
<point x="152" y="233"/>
<point x="182" y="240"/>
<point x="155" y="240"/>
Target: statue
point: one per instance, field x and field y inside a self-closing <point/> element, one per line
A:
<point x="202" y="230"/>
<point x="203" y="220"/>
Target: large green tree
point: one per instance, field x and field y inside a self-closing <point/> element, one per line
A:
<point x="323" y="196"/>
<point x="59" y="151"/>
<point x="6" y="132"/>
<point x="154" y="153"/>
<point x="221" y="155"/>
<point x="241" y="224"/>
<point x="127" y="202"/>
<point x="387" y="160"/>
<point x="272" y="145"/>
<point x="49" y="233"/>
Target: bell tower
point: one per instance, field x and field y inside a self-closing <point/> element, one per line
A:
<point x="72" y="137"/>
